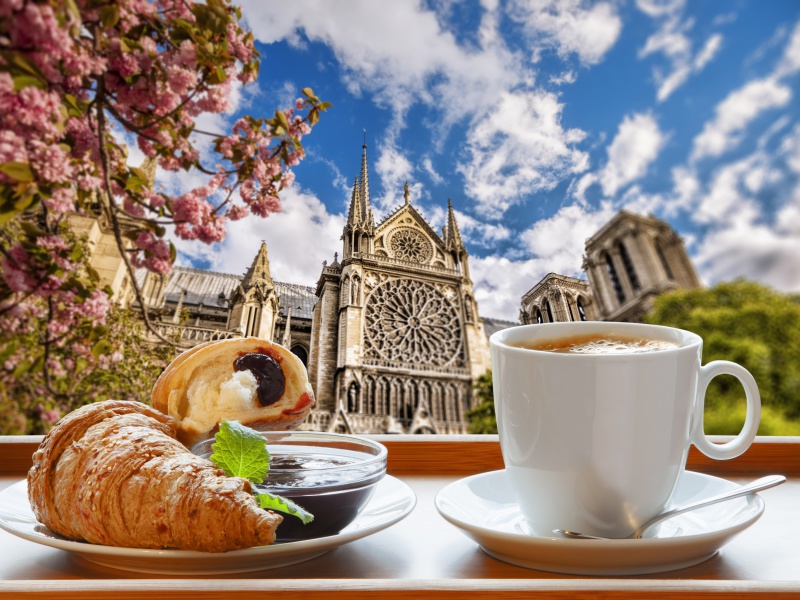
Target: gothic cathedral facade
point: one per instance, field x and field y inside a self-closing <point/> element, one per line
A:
<point x="396" y="337"/>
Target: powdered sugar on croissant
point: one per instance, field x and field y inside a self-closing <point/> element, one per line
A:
<point x="113" y="473"/>
<point x="261" y="384"/>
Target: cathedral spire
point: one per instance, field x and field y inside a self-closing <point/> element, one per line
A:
<point x="259" y="270"/>
<point x="452" y="235"/>
<point x="366" y="208"/>
<point x="355" y="216"/>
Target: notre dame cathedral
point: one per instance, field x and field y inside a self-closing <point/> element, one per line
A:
<point x="391" y="333"/>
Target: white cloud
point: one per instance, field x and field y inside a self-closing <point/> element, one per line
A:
<point x="515" y="142"/>
<point x="790" y="61"/>
<point x="556" y="245"/>
<point x="660" y="8"/>
<point x="499" y="283"/>
<point x="634" y="148"/>
<point x="742" y="106"/>
<point x="672" y="40"/>
<point x="559" y="241"/>
<point x="427" y="166"/>
<point x="736" y="112"/>
<point x="743" y="237"/>
<point x="475" y="231"/>
<point x="708" y="52"/>
<point x="518" y="148"/>
<point x="394" y="170"/>
<point x="569" y="26"/>
<point x="298" y="239"/>
<point x="565" y="77"/>
<point x="755" y="251"/>
<point x="403" y="59"/>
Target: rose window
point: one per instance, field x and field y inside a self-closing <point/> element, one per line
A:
<point x="410" y="244"/>
<point x="412" y="322"/>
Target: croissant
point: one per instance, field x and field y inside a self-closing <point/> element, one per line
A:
<point x="113" y="473"/>
<point x="250" y="380"/>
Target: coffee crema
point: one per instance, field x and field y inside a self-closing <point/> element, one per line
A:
<point x="605" y="343"/>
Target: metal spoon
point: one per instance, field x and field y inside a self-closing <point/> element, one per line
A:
<point x="757" y="485"/>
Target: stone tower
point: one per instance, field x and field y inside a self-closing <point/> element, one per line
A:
<point x="558" y="298"/>
<point x="396" y="336"/>
<point x="633" y="259"/>
<point x="254" y="302"/>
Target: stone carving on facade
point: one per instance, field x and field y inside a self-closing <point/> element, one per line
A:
<point x="412" y="322"/>
<point x="409" y="244"/>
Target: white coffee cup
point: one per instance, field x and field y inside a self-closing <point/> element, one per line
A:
<point x="595" y="442"/>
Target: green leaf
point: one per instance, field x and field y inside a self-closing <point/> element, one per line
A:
<point x="23" y="81"/>
<point x="100" y="348"/>
<point x="109" y="16"/>
<point x="18" y="170"/>
<point x="32" y="229"/>
<point x="240" y="452"/>
<point x="274" y="502"/>
<point x="309" y="93"/>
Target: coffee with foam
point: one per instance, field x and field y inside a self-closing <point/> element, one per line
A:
<point x="606" y="343"/>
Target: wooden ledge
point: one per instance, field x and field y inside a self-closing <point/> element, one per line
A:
<point x="468" y="454"/>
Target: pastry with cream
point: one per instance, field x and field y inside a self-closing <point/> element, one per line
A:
<point x="250" y="380"/>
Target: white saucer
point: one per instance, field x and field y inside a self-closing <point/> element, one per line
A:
<point x="483" y="507"/>
<point x="391" y="502"/>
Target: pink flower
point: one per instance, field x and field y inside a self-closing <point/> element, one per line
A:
<point x="189" y="208"/>
<point x="236" y="212"/>
<point x="61" y="200"/>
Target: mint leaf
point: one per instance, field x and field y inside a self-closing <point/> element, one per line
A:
<point x="240" y="452"/>
<point x="284" y="505"/>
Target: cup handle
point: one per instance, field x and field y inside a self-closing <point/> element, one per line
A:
<point x="746" y="436"/>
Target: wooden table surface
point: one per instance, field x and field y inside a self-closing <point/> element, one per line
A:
<point x="424" y="556"/>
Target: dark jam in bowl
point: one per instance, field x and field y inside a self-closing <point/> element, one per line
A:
<point x="330" y="475"/>
<point x="332" y="488"/>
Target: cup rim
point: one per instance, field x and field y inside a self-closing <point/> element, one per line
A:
<point x="689" y="339"/>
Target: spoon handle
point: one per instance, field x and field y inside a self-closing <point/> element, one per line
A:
<point x="755" y="486"/>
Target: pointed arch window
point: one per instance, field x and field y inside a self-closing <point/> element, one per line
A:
<point x="581" y="311"/>
<point x="612" y="275"/>
<point x="301" y="353"/>
<point x="569" y="308"/>
<point x="628" y="264"/>
<point x="550" y="318"/>
<point x="539" y="317"/>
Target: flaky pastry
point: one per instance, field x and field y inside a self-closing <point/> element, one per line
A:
<point x="113" y="473"/>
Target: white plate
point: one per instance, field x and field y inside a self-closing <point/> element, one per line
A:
<point x="483" y="507"/>
<point x="391" y="502"/>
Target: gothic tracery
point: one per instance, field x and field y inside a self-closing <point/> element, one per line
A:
<point x="409" y="244"/>
<point x="411" y="321"/>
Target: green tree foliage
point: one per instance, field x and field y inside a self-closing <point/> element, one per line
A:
<point x="482" y="418"/>
<point x="754" y="326"/>
<point x="127" y="369"/>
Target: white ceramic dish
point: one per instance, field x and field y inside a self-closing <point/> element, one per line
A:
<point x="483" y="507"/>
<point x="390" y="503"/>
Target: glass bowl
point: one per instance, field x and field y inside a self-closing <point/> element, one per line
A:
<point x="330" y="475"/>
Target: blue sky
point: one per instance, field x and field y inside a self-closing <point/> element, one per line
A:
<point x="539" y="119"/>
